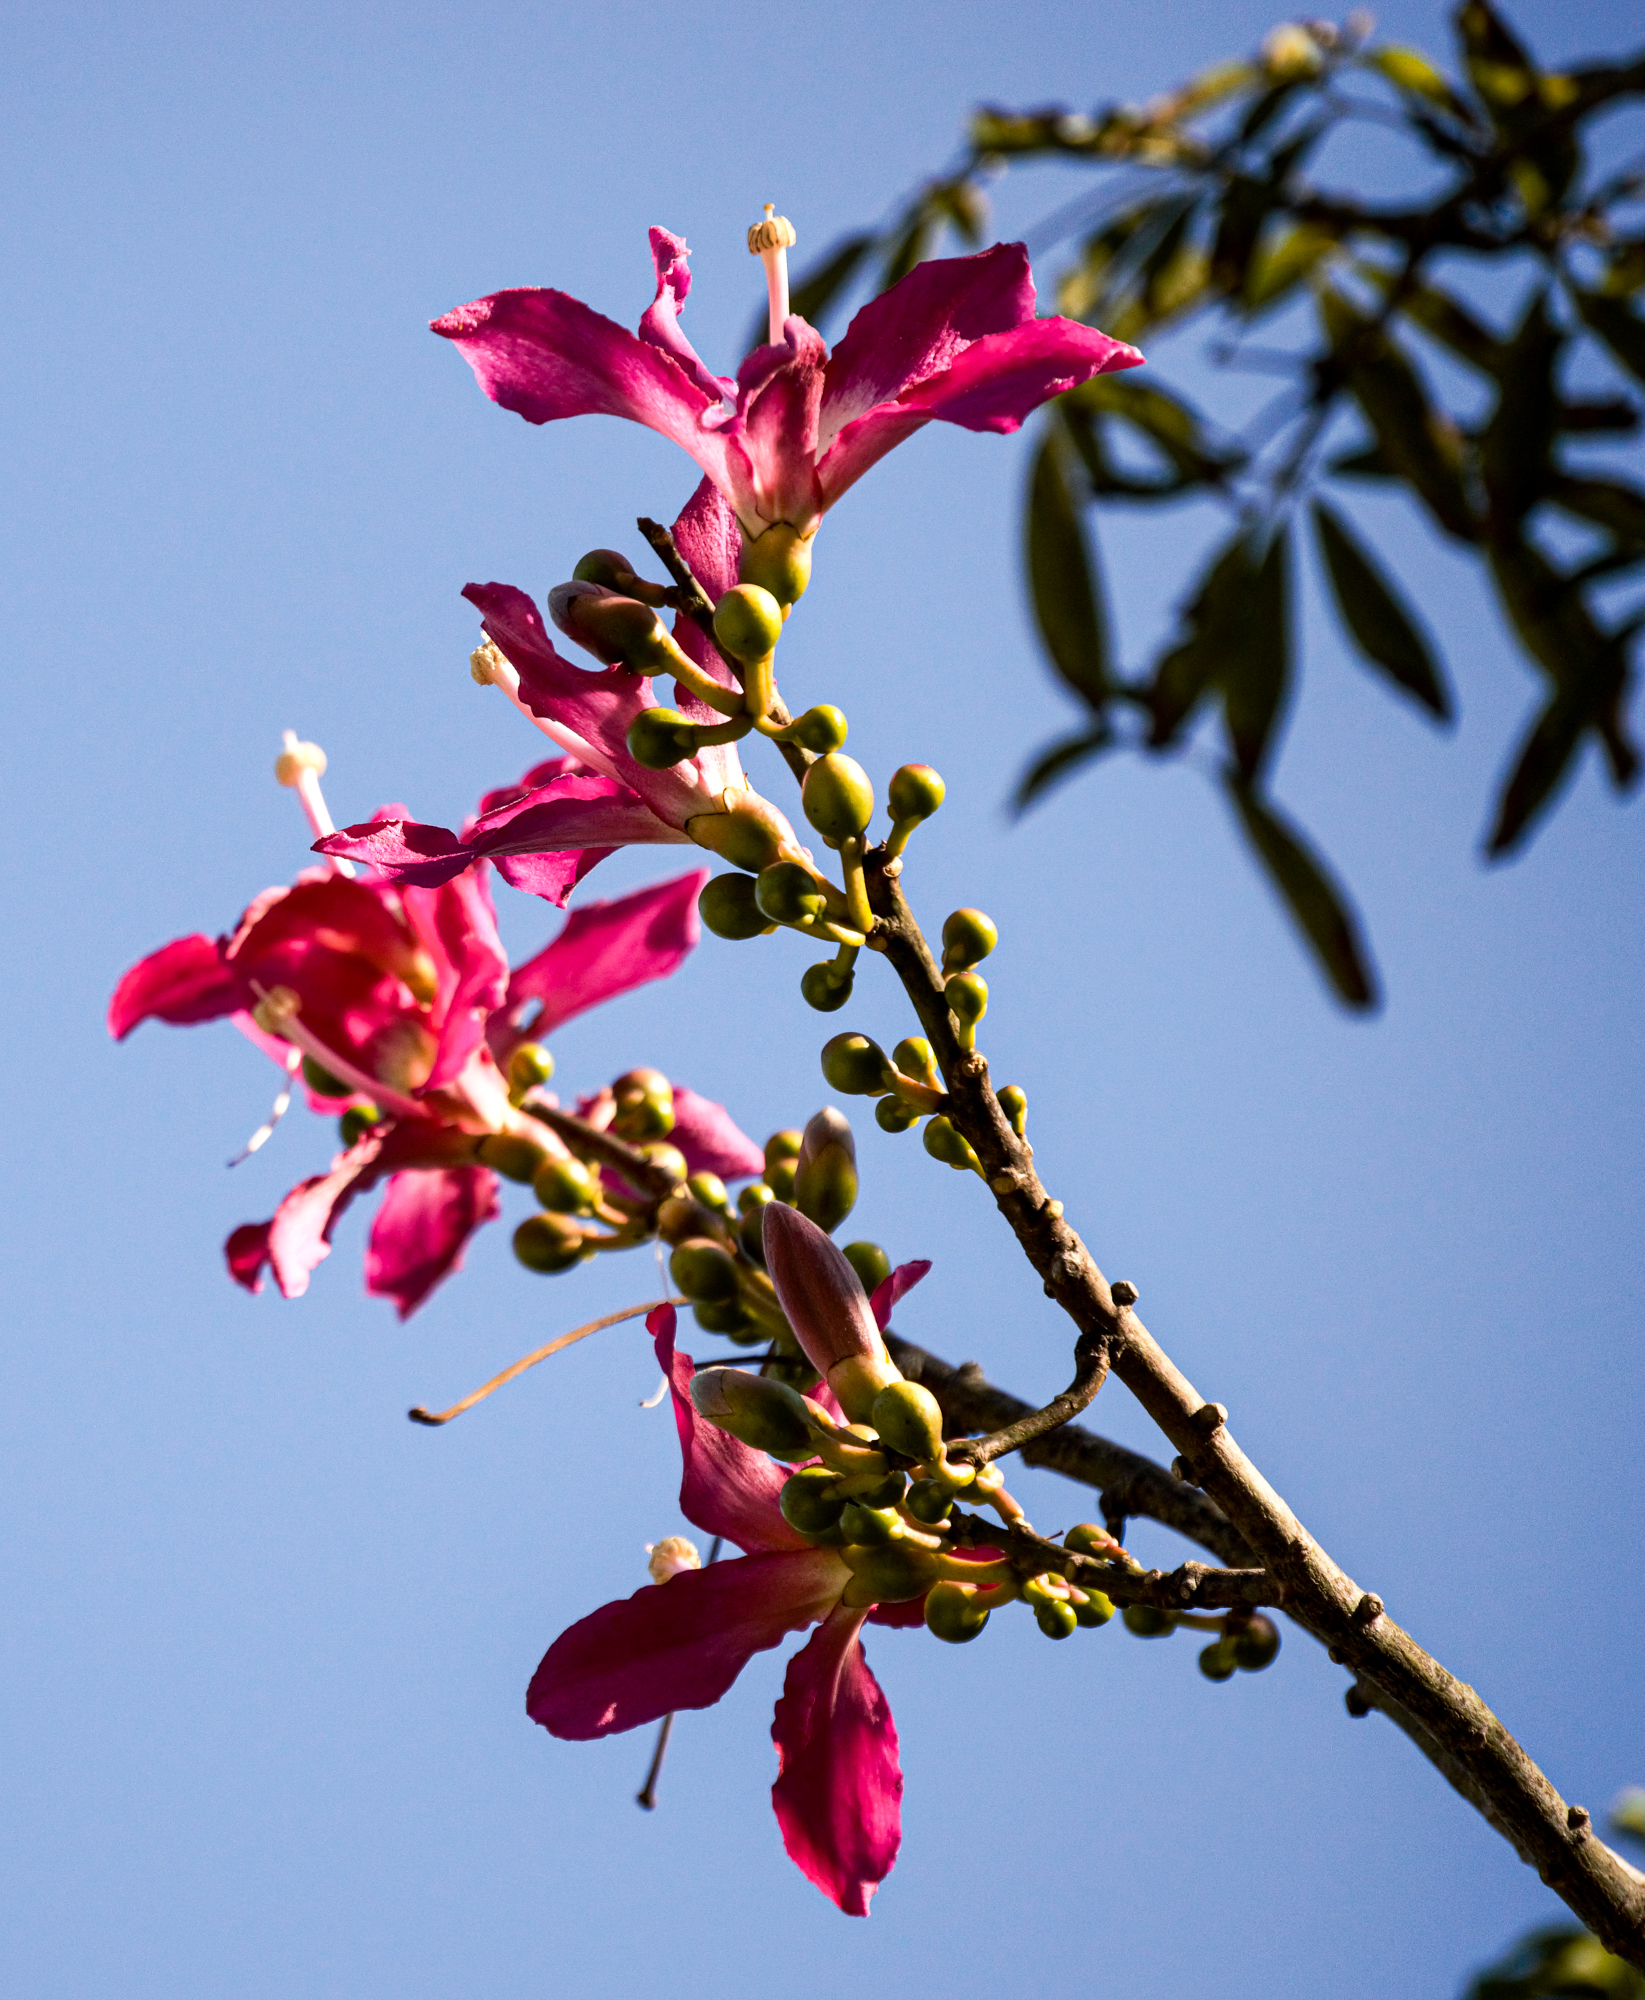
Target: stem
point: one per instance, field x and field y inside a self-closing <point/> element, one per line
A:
<point x="1090" y="1372"/>
<point x="1502" y="1780"/>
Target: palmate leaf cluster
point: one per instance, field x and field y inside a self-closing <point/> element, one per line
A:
<point x="1499" y="426"/>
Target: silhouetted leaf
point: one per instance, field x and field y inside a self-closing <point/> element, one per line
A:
<point x="1265" y="110"/>
<point x="1619" y="326"/>
<point x="1165" y="420"/>
<point x="1368" y="463"/>
<point x="1411" y="71"/>
<point x="819" y="285"/>
<point x="1283" y="260"/>
<point x="1067" y="602"/>
<point x="1322" y="913"/>
<point x="1061" y="761"/>
<point x="1213" y="617"/>
<point x="1255" y="672"/>
<point x="1606" y="503"/>
<point x="1559" y="1963"/>
<point x="1385" y="632"/>
<point x="910" y="247"/>
<point x="1545" y="760"/>
<point x="1516" y="446"/>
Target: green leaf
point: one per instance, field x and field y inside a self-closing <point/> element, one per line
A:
<point x="910" y="247"/>
<point x="1606" y="503"/>
<point x="1212" y="617"/>
<point x="1545" y="762"/>
<point x="1067" y="602"/>
<point x="1383" y="629"/>
<point x="1619" y="326"/>
<point x="1628" y="1814"/>
<point x="1411" y="71"/>
<point x="819" y="285"/>
<point x="1061" y="761"/>
<point x="1255" y="674"/>
<point x="1322" y="913"/>
<point x="1516" y="446"/>
<point x="1283" y="260"/>
<point x="1165" y="420"/>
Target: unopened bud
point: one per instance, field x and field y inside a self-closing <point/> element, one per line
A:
<point x="822" y="729"/>
<point x="837" y="796"/>
<point x="321" y="1081"/>
<point x="784" y="1145"/>
<point x="828" y="1309"/>
<point x="892" y="1115"/>
<point x="671" y="1556"/>
<point x="909" y="1418"/>
<point x="967" y="938"/>
<point x="915" y="1057"/>
<point x="870" y="1527"/>
<point x="855" y="1066"/>
<point x="1147" y="1623"/>
<point x="748" y="622"/>
<point x="666" y="1159"/>
<point x="1056" y="1620"/>
<point x="944" y="1143"/>
<point x="710" y="1190"/>
<point x="645" y="1106"/>
<point x="891" y="1574"/>
<point x="548" y="1243"/>
<point x="810" y="1503"/>
<point x="727" y="1316"/>
<point x="1255" y="1645"/>
<point x="621" y="631"/>
<point x="755" y="1195"/>
<point x="955" y="1612"/>
<point x="516" y="1159"/>
<point x="1290" y="53"/>
<point x="779" y="1178"/>
<point x="915" y="793"/>
<point x="778" y="560"/>
<point x="613" y="571"/>
<point x="1014" y="1103"/>
<point x="680" y="1216"/>
<point x="529" y="1065"/>
<point x="825" y="1175"/>
<point x="1087" y="1539"/>
<point x="788" y="893"/>
<point x="702" y="1269"/>
<point x="747" y="831"/>
<point x="729" y="908"/>
<point x="967" y="1002"/>
<point x="765" y="1414"/>
<point x="826" y="986"/>
<point x="660" y="738"/>
<point x="356" y="1122"/>
<point x="929" y="1501"/>
<point x="1216" y="1662"/>
<point x="870" y="1263"/>
<point x="1096" y="1609"/>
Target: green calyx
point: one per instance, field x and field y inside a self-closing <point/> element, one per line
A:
<point x="748" y="622"/>
<point x="611" y="569"/>
<point x="889" y="1574"/>
<point x="930" y="1501"/>
<point x="321" y="1081"/>
<point x="955" y="1612"/>
<point x="909" y="1418"/>
<point x="565" y="1187"/>
<point x="765" y="1414"/>
<point x="915" y="1057"/>
<point x="943" y="1142"/>
<point x="1095" y="1610"/>
<point x="825" y="1174"/>
<point x="514" y="1158"/>
<point x="869" y="1527"/>
<point x="914" y="794"/>
<point x="1147" y="1623"/>
<point x="1087" y="1539"/>
<point x="788" y="893"/>
<point x="779" y="561"/>
<point x="1056" y="1619"/>
<point x="810" y="1503"/>
<point x="1216" y="1662"/>
<point x="727" y="1316"/>
<point x="870" y="1263"/>
<point x="730" y="909"/>
<point x="1014" y="1103"/>
<point x="892" y="1115"/>
<point x="856" y="1066"/>
<point x="548" y="1243"/>
<point x="529" y="1065"/>
<point x="704" y="1270"/>
<point x="822" y="729"/>
<point x="666" y="1159"/>
<point x="1255" y="1644"/>
<point x="711" y="1191"/>
<point x="967" y="938"/>
<point x="784" y="1145"/>
<point x="837" y="797"/>
<point x="967" y="1002"/>
<point x="660" y="738"/>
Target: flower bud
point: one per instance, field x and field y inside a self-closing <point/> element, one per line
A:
<point x="892" y="1115"/>
<point x="529" y="1065"/>
<point x="915" y="1057"/>
<point x="356" y="1122"/>
<point x="944" y="1143"/>
<point x="909" y="1419"/>
<point x="710" y="1190"/>
<point x="915" y="793"/>
<point x="750" y="1240"/>
<point x="1014" y="1103"/>
<point x="955" y="1612"/>
<point x="825" y="1175"/>
<point x="837" y="796"/>
<point x="548" y="1243"/>
<point x="660" y="738"/>
<point x="890" y="1574"/>
<point x="869" y="1527"/>
<point x="929" y="1501"/>
<point x="1147" y="1623"/>
<point x="779" y="560"/>
<point x="516" y="1159"/>
<point x="748" y="622"/>
<point x="666" y="1159"/>
<point x="870" y="1263"/>
<point x="618" y="630"/>
<point x="889" y="1491"/>
<point x="855" y="1066"/>
<point x="755" y="1195"/>
<point x="810" y="1503"/>
<point x="967" y="1001"/>
<point x="1255" y="1645"/>
<point x="321" y="1081"/>
<point x="780" y="1178"/>
<point x="728" y="907"/>
<point x="1216" y="1662"/>
<point x="765" y="1414"/>
<point x="1056" y="1620"/>
<point x="1096" y="1610"/>
<point x="828" y="1310"/>
<point x="727" y="1316"/>
<point x="783" y="1145"/>
<point x="826" y="986"/>
<point x="1087" y="1539"/>
<point x="967" y="938"/>
<point x="821" y="729"/>
<point x="611" y="569"/>
<point x="747" y="831"/>
<point x="682" y="1215"/>
<point x="789" y="893"/>
<point x="703" y="1270"/>
<point x="671" y="1557"/>
<point x="645" y="1106"/>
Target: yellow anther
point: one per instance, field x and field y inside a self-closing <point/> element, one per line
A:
<point x="776" y="232"/>
<point x="296" y="759"/>
<point x="670" y="1556"/>
<point x="484" y="662"/>
<point x="771" y="241"/>
<point x="276" y="1010"/>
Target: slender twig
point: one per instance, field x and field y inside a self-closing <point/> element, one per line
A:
<point x="1192" y="1586"/>
<point x="1090" y="1372"/>
<point x="607" y="1148"/>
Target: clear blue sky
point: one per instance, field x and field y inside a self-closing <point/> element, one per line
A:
<point x="266" y="1644"/>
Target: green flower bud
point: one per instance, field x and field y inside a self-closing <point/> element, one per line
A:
<point x="750" y="833"/>
<point x="929" y="1501"/>
<point x="825" y="1174"/>
<point x="609" y="568"/>
<point x="727" y="1316"/>
<point x="710" y="1190"/>
<point x="869" y="1527"/>
<point x="784" y="1145"/>
<point x="702" y="1269"/>
<point x="837" y="796"/>
<point x="892" y="1115"/>
<point x="855" y="1066"/>
<point x="890" y="1491"/>
<point x="1216" y="1662"/>
<point x="617" y="629"/>
<point x="565" y="1187"/>
<point x="955" y="1612"/>
<point x="354" y="1124"/>
<point x="660" y="738"/>
<point x="751" y="1237"/>
<point x="1096" y="1610"/>
<point x="1088" y="1540"/>
<point x="748" y="622"/>
<point x="889" y="1574"/>
<point x="548" y="1243"/>
<point x="514" y="1158"/>
<point x="666" y="1159"/>
<point x="967" y="997"/>
<point x="765" y="1414"/>
<point x="645" y="1106"/>
<point x="915" y="793"/>
<point x="789" y="893"/>
<point x="1056" y="1620"/>
<point x="682" y="1215"/>
<point x="780" y="1179"/>
<point x="778" y="560"/>
<point x="1147" y="1623"/>
<point x="728" y="906"/>
<point x="1014" y="1103"/>
<point x="915" y="1057"/>
<point x="967" y="938"/>
<point x="809" y="1502"/>
<point x="530" y="1065"/>
<point x="1255" y="1645"/>
<point x="322" y="1082"/>
<point x="826" y="986"/>
<point x="755" y="1195"/>
<point x="870" y="1263"/>
<point x="909" y="1419"/>
<point x="944" y="1143"/>
<point x="822" y="729"/>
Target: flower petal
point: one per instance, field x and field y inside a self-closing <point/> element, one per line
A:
<point x="777" y="422"/>
<point x="421" y="1230"/>
<point x="458" y="926"/>
<point x="183" y="982"/>
<point x="726" y="1488"/>
<point x="299" y="1235"/>
<point x="890" y="1290"/>
<point x="678" y="1644"/>
<point x="710" y="1141"/>
<point x="660" y="322"/>
<point x="246" y="1253"/>
<point x="838" y="1796"/>
<point x="821" y="1294"/>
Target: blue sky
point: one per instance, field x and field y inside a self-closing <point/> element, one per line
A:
<point x="267" y="1643"/>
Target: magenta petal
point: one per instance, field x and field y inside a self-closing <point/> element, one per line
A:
<point x="550" y="876"/>
<point x="404" y="850"/>
<point x="660" y="322"/>
<point x="902" y="1616"/>
<point x="838" y="1795"/>
<point x="707" y="535"/>
<point x="891" y="1289"/>
<point x="608" y="948"/>
<point x="712" y="1144"/>
<point x="458" y="926"/>
<point x="782" y="389"/>
<point x="299" y="1236"/>
<point x="678" y="1644"/>
<point x="725" y="1487"/>
<point x="246" y="1253"/>
<point x="422" y="1229"/>
<point x="183" y="982"/>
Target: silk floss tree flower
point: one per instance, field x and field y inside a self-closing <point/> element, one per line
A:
<point x="397" y="1006"/>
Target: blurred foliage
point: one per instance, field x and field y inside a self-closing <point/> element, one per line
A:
<point x="1204" y="215"/>
<point x="1562" y="1963"/>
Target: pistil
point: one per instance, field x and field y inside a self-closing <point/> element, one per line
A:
<point x="771" y="241"/>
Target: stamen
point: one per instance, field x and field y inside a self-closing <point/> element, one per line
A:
<point x="300" y="765"/>
<point x="490" y="668"/>
<point x="278" y="1012"/>
<point x="651" y="1402"/>
<point x="277" y="1111"/>
<point x="771" y="241"/>
<point x="433" y="1417"/>
<point x="646" y="1797"/>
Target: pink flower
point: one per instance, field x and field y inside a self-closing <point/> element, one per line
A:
<point x="957" y="340"/>
<point x="682" y="1643"/>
